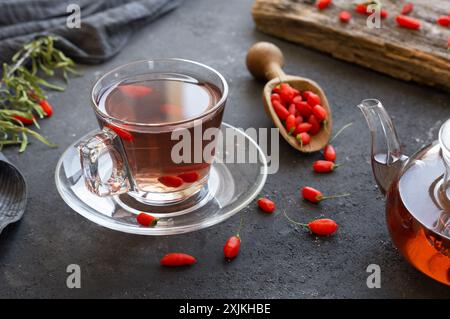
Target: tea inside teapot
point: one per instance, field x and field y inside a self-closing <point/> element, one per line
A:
<point x="417" y="193"/>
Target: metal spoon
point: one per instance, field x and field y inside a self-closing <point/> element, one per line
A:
<point x="13" y="193"/>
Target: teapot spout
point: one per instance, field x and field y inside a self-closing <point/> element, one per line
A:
<point x="386" y="153"/>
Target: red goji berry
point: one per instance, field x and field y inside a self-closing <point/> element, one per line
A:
<point x="280" y="110"/>
<point x="24" y="120"/>
<point x="408" y="22"/>
<point x="322" y="4"/>
<point x="297" y="99"/>
<point x="298" y="119"/>
<point x="121" y="132"/>
<point x="320" y="227"/>
<point x="275" y="97"/>
<point x="304" y="109"/>
<point x="361" y="8"/>
<point x="290" y="124"/>
<point x="135" y="90"/>
<point x="444" y="21"/>
<point x="276" y="89"/>
<point x="292" y="109"/>
<point x="177" y="259"/>
<point x="407" y="8"/>
<point x="323" y="227"/>
<point x="329" y="153"/>
<point x="315" y="125"/>
<point x="286" y="93"/>
<point x="319" y="112"/>
<point x="303" y="138"/>
<point x="322" y="166"/>
<point x="232" y="246"/>
<point x="266" y="205"/>
<point x="46" y="107"/>
<point x="170" y="181"/>
<point x="345" y="16"/>
<point x="302" y="128"/>
<point x="190" y="177"/>
<point x="312" y="98"/>
<point x="315" y="196"/>
<point x="146" y="220"/>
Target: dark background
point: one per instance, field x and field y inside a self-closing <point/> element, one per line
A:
<point x="276" y="260"/>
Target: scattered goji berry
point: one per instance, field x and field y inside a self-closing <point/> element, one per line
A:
<point x="361" y="8"/>
<point x="320" y="227"/>
<point x="322" y="4"/>
<point x="407" y="8"/>
<point x="303" y="138"/>
<point x="408" y="22"/>
<point x="266" y="205"/>
<point x="329" y="153"/>
<point x="444" y="21"/>
<point x="345" y="16"/>
<point x="315" y="196"/>
<point x="322" y="166"/>
<point x="177" y="259"/>
<point x="323" y="227"/>
<point x="232" y="246"/>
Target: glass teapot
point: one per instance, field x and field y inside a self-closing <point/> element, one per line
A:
<point x="417" y="190"/>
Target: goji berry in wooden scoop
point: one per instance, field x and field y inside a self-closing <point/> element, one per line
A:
<point x="264" y="61"/>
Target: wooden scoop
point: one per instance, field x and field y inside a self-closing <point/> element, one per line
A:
<point x="264" y="61"/>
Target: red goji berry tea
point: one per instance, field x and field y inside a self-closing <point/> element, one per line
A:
<point x="149" y="153"/>
<point x="417" y="190"/>
<point x="139" y="114"/>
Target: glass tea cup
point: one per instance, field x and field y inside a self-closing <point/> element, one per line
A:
<point x="138" y="107"/>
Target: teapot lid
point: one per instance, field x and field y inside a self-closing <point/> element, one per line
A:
<point x="424" y="185"/>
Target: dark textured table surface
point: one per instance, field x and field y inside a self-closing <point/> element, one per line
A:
<point x="276" y="260"/>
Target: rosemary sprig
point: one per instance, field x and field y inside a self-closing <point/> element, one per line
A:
<point x="22" y="88"/>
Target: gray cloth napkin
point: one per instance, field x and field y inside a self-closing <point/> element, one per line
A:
<point x="106" y="25"/>
<point x="13" y="193"/>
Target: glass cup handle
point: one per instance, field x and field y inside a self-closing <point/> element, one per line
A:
<point x="91" y="150"/>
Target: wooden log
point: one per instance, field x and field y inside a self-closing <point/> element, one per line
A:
<point x="412" y="55"/>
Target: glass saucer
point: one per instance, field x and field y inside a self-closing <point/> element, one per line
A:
<point x="232" y="185"/>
